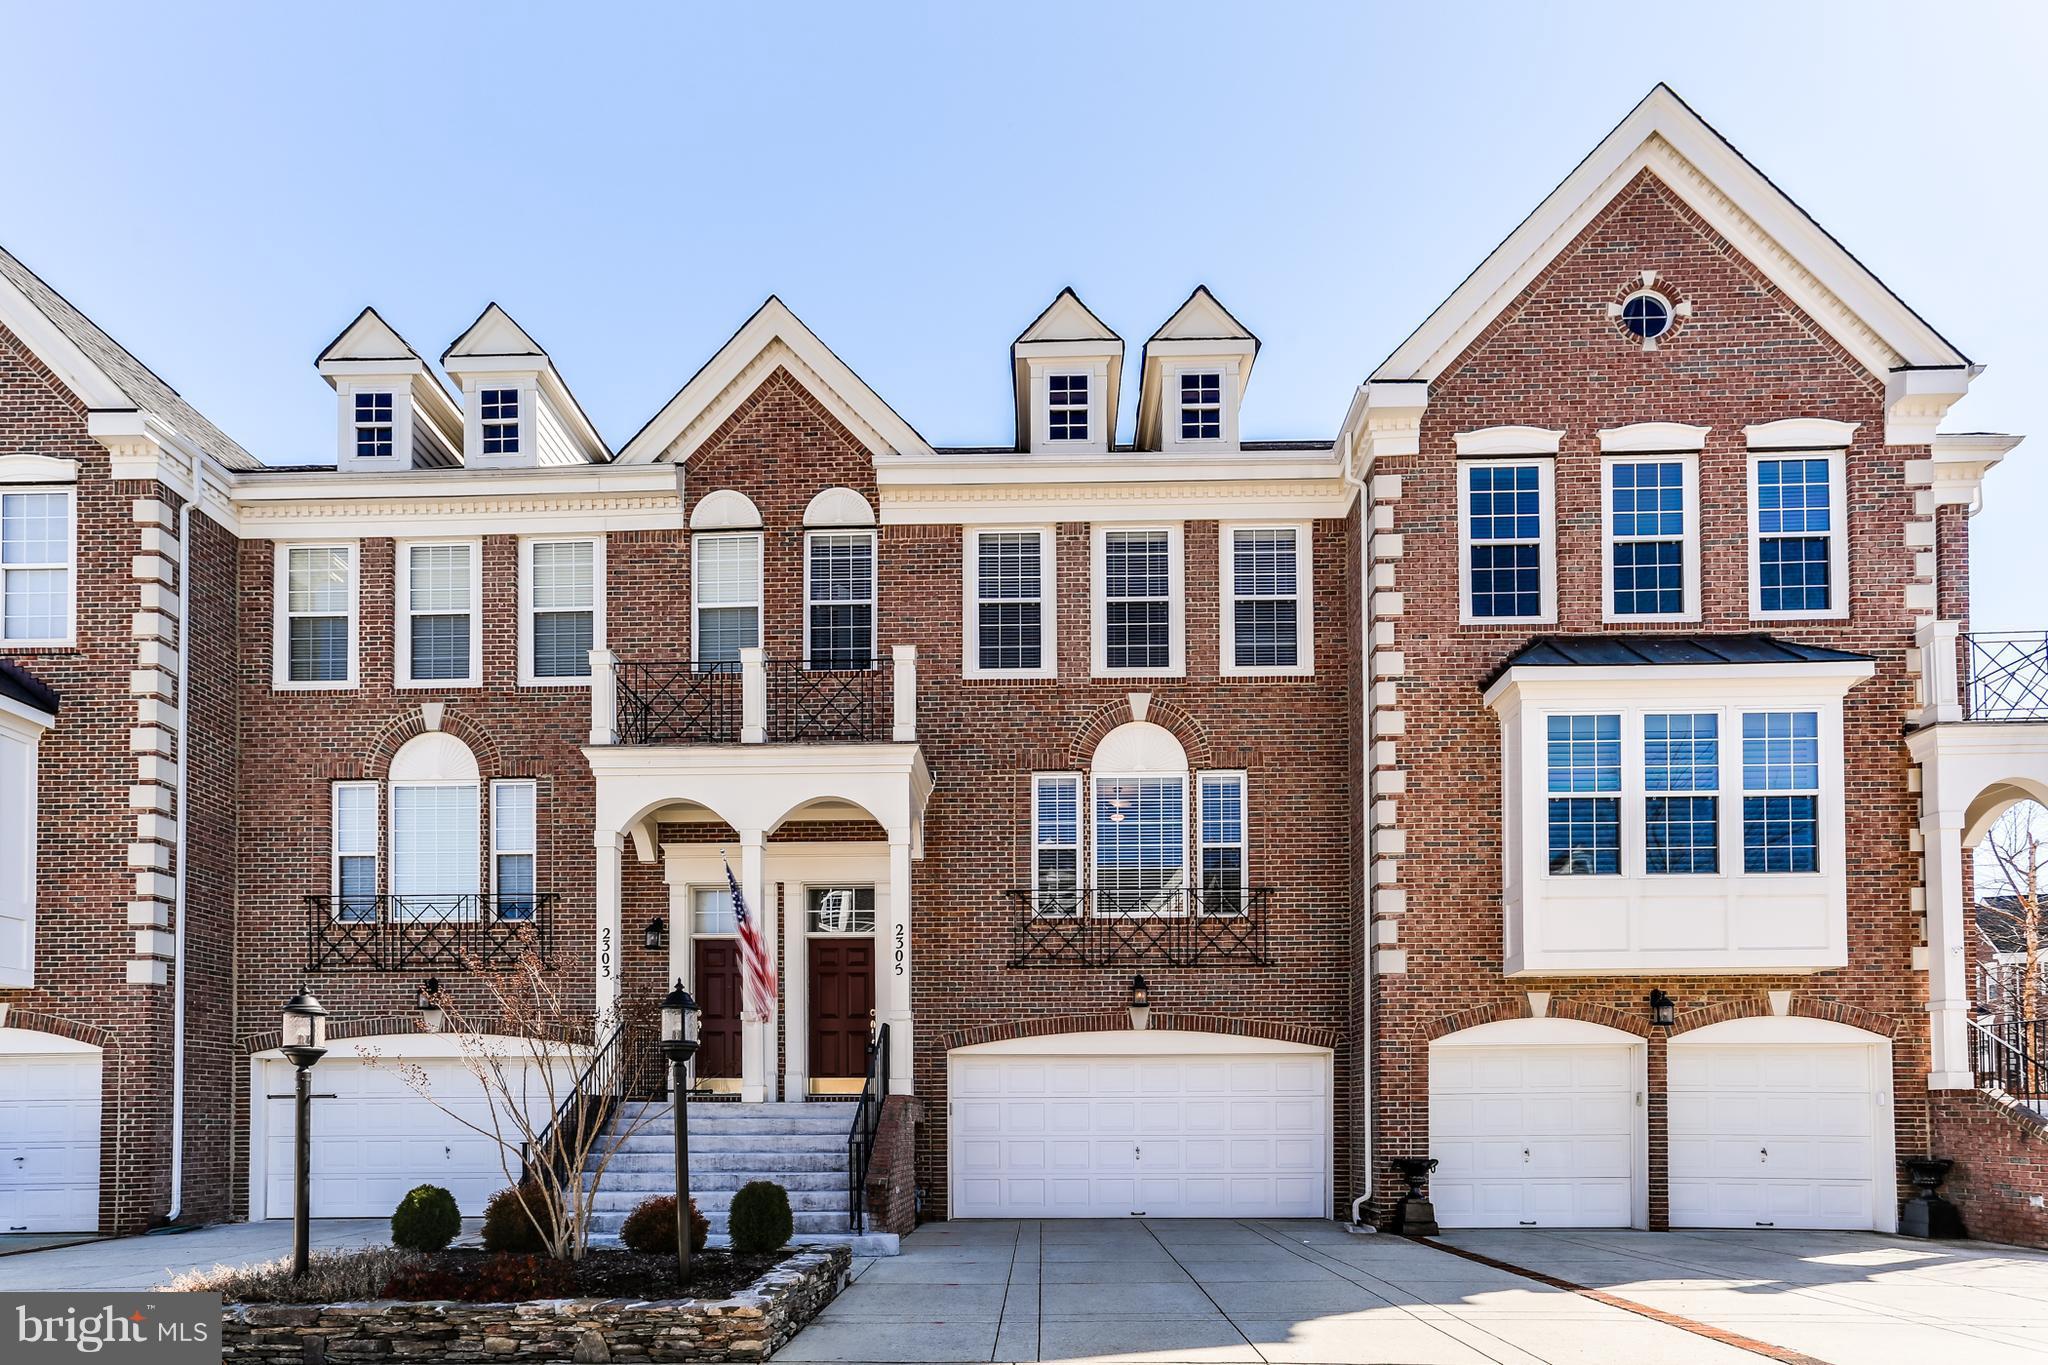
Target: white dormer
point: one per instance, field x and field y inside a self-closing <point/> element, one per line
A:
<point x="1068" y="366"/>
<point x="1192" y="378"/>
<point x="517" y="413"/>
<point x="393" y="413"/>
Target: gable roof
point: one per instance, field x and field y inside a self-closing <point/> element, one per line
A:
<point x="369" y="337"/>
<point x="103" y="373"/>
<point x="494" y="336"/>
<point x="1705" y="171"/>
<point x="1066" y="318"/>
<point x="773" y="336"/>
<point x="1202" y="318"/>
<point x="494" y="333"/>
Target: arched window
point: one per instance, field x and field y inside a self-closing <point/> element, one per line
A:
<point x="435" y="860"/>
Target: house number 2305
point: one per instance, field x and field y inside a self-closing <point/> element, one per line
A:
<point x="900" y="951"/>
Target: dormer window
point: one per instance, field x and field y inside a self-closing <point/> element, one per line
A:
<point x="374" y="426"/>
<point x="498" y="410"/>
<point x="1066" y="407"/>
<point x="1201" y="406"/>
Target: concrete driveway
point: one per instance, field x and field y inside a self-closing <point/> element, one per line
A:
<point x="1851" y="1298"/>
<point x="1200" y="1291"/>
<point x="146" y="1262"/>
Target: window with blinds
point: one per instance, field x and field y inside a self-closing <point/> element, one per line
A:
<point x="355" y="852"/>
<point x="434" y="855"/>
<point x="1056" y="842"/>
<point x="1009" y="599"/>
<point x="1265" y="606"/>
<point x="563" y="602"/>
<point x="1222" y="843"/>
<point x="317" y="606"/>
<point x="1137" y="590"/>
<point x="513" y="849"/>
<point x="840" y="584"/>
<point x="727" y="585"/>
<point x="1141" y="837"/>
<point x="439" y="605"/>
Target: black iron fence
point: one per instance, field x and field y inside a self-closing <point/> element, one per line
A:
<point x="2012" y="1054"/>
<point x="867" y="1119"/>
<point x="673" y="701"/>
<point x="2006" y="676"/>
<point x="399" y="933"/>
<point x="830" y="701"/>
<point x="848" y="699"/>
<point x="1181" y="927"/>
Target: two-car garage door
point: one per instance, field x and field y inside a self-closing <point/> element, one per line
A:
<point x="1167" y="1125"/>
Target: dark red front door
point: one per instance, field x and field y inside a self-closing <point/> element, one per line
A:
<point x="718" y="999"/>
<point x="842" y="999"/>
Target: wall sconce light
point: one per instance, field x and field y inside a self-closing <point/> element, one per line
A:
<point x="656" y="934"/>
<point x="432" y="1016"/>
<point x="1663" y="1009"/>
<point x="1139" y="1003"/>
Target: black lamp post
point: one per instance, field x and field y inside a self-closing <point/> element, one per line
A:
<point x="304" y="1037"/>
<point x="679" y="1044"/>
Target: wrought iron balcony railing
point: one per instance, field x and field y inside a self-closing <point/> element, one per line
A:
<point x="2012" y="1055"/>
<point x="2007" y="676"/>
<point x="400" y="933"/>
<point x="1182" y="927"/>
<point x="857" y="698"/>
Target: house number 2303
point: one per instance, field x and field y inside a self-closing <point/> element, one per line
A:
<point x="604" y="952"/>
<point x="901" y="952"/>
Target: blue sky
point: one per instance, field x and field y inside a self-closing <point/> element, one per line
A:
<point x="223" y="187"/>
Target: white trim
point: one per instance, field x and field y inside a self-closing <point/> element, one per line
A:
<point x="1079" y="782"/>
<point x="725" y="509"/>
<point x="1140" y="748"/>
<point x="335" y="852"/>
<point x="1243" y="844"/>
<point x="1096" y="372"/>
<point x="396" y="387"/>
<point x="23" y="725"/>
<point x="697" y="606"/>
<point x="1688" y="537"/>
<point x="527" y="677"/>
<point x="1838" y="537"/>
<point x="1800" y="433"/>
<point x="1652" y="438"/>
<point x="70" y="567"/>
<point x="493" y="850"/>
<point x="1794" y="1030"/>
<point x="1048" y="603"/>
<point x="838" y="507"/>
<point x="1487" y="442"/>
<point x="1545" y="1032"/>
<point x="1230" y="380"/>
<point x="28" y="1042"/>
<point x="1176" y="649"/>
<point x="402" y="614"/>
<point x="874" y="597"/>
<point x="1304" y="599"/>
<point x="280" y="626"/>
<point x="1546" y="511"/>
<point x="21" y="467"/>
<point x="1151" y="1042"/>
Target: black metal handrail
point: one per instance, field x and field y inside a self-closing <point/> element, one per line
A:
<point x="830" y="700"/>
<point x="867" y="1120"/>
<point x="1114" y="927"/>
<point x="2012" y="1055"/>
<point x="599" y="1091"/>
<point x="2007" y="675"/>
<point x="400" y="933"/>
<point x="677" y="701"/>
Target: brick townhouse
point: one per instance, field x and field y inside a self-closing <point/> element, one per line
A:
<point x="1206" y="824"/>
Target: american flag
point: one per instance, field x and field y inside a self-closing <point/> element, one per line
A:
<point x="756" y="967"/>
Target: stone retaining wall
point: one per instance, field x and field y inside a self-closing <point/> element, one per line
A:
<point x="751" y="1325"/>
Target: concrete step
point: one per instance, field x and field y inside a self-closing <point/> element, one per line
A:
<point x="664" y="1181"/>
<point x="745" y="1118"/>
<point x="607" y="1221"/>
<point x="736" y="1142"/>
<point x="800" y="1201"/>
<point x="703" y="1164"/>
<point x="866" y="1244"/>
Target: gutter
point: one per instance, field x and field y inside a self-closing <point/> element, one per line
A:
<point x="1359" y="480"/>
<point x="186" y="568"/>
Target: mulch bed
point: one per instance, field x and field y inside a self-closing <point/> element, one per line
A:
<point x="619" y="1274"/>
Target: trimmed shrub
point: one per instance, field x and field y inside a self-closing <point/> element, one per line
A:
<point x="760" y="1218"/>
<point x="426" y="1219"/>
<point x="651" y="1227"/>
<point x="512" y="1220"/>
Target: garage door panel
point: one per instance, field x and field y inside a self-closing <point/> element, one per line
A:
<point x="50" y="1142"/>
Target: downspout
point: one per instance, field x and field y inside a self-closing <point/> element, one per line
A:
<point x="184" y="785"/>
<point x="1358" y="480"/>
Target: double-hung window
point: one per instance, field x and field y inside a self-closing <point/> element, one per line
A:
<point x="513" y="848"/>
<point x="1780" y="791"/>
<point x="1201" y="405"/>
<point x="1012" y="628"/>
<point x="1140" y="837"/>
<point x="1138" y="604"/>
<point x="434" y="863"/>
<point x="1222" y="843"/>
<point x="374" y="426"/>
<point x="726" y="582"/>
<point x="1651" y="573"/>
<point x="1797" y="519"/>
<point x="839" y="583"/>
<point x="1584" y="781"/>
<point x="316" y="631"/>
<point x="1056" y="843"/>
<point x="35" y="567"/>
<point x="1505" y="526"/>
<point x="355" y="852"/>
<point x="1265" y="621"/>
<point x="439" y="638"/>
<point x="1681" y="776"/>
<point x="1066" y="407"/>
<point x="498" y="418"/>
<point x="561" y="585"/>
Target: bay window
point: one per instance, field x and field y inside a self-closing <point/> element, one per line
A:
<point x="1681" y="773"/>
<point x="1585" y="803"/>
<point x="1780" y="791"/>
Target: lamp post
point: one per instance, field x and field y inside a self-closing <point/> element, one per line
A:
<point x="304" y="1035"/>
<point x="679" y="1044"/>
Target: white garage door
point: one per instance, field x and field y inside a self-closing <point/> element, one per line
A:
<point x="1533" y="1136"/>
<point x="50" y="1142"/>
<point x="1774" y="1136"/>
<point x="1241" y="1135"/>
<point x="375" y="1137"/>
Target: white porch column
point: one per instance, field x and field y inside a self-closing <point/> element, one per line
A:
<point x="1948" y="993"/>
<point x="796" y="1006"/>
<point x="1941" y="697"/>
<point x="604" y="697"/>
<point x="893" y="990"/>
<point x="757" y="1040"/>
<point x="608" y="846"/>
<point x="903" y="722"/>
<point x="753" y="695"/>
